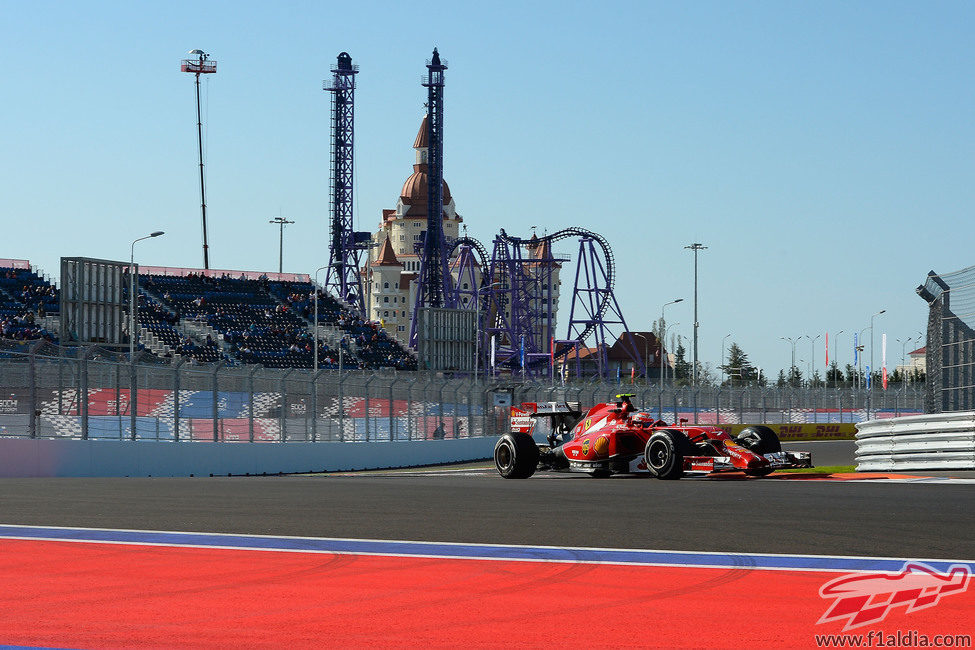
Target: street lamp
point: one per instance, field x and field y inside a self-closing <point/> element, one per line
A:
<point x="663" y="336"/>
<point x="695" y="247"/>
<point x="871" y="336"/>
<point x="722" y="356"/>
<point x="836" y="351"/>
<point x="282" y="222"/>
<point x="859" y="348"/>
<point x="477" y="329"/>
<point x="793" y="342"/>
<point x="673" y="378"/>
<point x="812" y="347"/>
<point x="903" y="357"/>
<point x="133" y="286"/>
<point x="315" y="323"/>
<point x="646" y="351"/>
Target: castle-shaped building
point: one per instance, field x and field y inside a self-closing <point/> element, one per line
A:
<point x="390" y="275"/>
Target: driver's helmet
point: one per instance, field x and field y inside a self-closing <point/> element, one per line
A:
<point x="641" y="419"/>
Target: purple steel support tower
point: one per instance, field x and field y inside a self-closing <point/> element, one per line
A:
<point x="434" y="283"/>
<point x="346" y="246"/>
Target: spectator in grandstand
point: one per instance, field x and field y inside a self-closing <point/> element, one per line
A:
<point x="439" y="433"/>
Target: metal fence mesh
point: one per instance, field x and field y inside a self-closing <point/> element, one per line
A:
<point x="950" y="358"/>
<point x="91" y="393"/>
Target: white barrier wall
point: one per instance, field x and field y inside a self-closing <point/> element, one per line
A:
<point x="20" y="457"/>
<point x="939" y="441"/>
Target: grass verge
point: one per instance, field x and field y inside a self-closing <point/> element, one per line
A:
<point x="828" y="469"/>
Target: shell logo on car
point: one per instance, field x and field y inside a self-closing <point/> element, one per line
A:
<point x="601" y="446"/>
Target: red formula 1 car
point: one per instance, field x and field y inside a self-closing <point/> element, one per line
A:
<point x="616" y="438"/>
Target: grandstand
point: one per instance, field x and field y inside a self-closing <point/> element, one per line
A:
<point x="29" y="303"/>
<point x="212" y="316"/>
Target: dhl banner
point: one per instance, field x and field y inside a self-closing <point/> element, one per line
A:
<point x="786" y="432"/>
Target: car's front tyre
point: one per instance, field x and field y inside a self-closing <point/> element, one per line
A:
<point x="760" y="439"/>
<point x="516" y="455"/>
<point x="664" y="454"/>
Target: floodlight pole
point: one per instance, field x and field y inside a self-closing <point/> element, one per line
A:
<point x="198" y="66"/>
<point x="282" y="222"/>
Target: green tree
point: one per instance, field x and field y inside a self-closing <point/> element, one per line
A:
<point x="738" y="366"/>
<point x="795" y="377"/>
<point x="781" y="381"/>
<point x="682" y="367"/>
<point x="834" y="374"/>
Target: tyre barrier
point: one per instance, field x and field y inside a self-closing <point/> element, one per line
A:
<point x="939" y="441"/>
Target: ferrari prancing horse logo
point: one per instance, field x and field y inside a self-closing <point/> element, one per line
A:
<point x="588" y="422"/>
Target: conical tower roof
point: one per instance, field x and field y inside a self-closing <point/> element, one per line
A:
<point x="386" y="255"/>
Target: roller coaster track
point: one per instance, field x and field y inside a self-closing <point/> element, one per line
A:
<point x="474" y="244"/>
<point x="610" y="269"/>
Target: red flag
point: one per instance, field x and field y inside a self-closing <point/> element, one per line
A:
<point x="632" y="373"/>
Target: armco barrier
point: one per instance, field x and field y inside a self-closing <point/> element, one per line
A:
<point x="35" y="457"/>
<point x="940" y="441"/>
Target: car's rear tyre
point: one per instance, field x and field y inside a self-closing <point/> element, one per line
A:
<point x="516" y="455"/>
<point x="664" y="454"/>
<point x="759" y="439"/>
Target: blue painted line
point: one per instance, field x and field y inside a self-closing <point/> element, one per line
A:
<point x="474" y="551"/>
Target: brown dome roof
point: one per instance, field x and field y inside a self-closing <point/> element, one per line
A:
<point x="416" y="189"/>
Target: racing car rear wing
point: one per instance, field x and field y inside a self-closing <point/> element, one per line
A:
<point x="523" y="418"/>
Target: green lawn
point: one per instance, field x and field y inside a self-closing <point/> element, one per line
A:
<point x="828" y="469"/>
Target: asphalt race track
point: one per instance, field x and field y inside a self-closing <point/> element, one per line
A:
<point x="448" y="556"/>
<point x="457" y="505"/>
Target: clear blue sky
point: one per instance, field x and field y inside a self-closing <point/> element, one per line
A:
<point x="822" y="151"/>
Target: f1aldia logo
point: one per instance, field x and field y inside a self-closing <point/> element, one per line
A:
<point x="864" y="598"/>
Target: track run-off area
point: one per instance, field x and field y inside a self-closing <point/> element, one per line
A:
<point x="457" y="556"/>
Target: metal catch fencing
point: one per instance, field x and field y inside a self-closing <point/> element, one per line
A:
<point x="48" y="391"/>
<point x="950" y="357"/>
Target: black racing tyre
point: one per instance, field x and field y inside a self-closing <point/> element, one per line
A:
<point x="664" y="454"/>
<point x="602" y="472"/>
<point x="516" y="455"/>
<point x="759" y="439"/>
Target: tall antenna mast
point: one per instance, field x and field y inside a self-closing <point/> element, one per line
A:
<point x="346" y="246"/>
<point x="200" y="65"/>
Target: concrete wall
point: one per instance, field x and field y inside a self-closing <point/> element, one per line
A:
<point x="21" y="457"/>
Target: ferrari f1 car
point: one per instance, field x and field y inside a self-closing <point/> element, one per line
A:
<point x="616" y="438"/>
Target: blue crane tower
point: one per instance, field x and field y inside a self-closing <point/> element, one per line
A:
<point x="434" y="288"/>
<point x="346" y="245"/>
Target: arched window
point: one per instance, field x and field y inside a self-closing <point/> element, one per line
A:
<point x="385" y="298"/>
<point x="385" y="285"/>
<point x="385" y="313"/>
